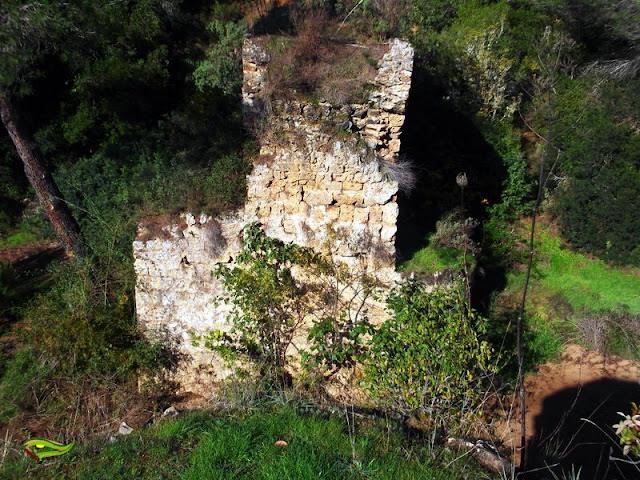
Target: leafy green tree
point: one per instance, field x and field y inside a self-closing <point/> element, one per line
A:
<point x="222" y="66"/>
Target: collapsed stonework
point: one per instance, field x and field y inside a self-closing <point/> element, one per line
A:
<point x="309" y="186"/>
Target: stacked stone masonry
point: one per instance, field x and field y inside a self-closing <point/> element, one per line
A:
<point x="309" y="186"/>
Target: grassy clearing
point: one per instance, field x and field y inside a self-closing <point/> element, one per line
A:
<point x="432" y="259"/>
<point x="584" y="283"/>
<point x="573" y="297"/>
<point x="219" y="446"/>
<point x="19" y="239"/>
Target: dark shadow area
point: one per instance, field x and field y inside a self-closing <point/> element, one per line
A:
<point x="277" y="21"/>
<point x="565" y="439"/>
<point x="486" y="279"/>
<point x="441" y="142"/>
<point x="20" y="280"/>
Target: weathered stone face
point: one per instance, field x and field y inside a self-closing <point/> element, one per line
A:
<point x="310" y="187"/>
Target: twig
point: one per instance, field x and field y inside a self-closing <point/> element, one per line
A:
<point x="345" y="18"/>
<point x="4" y="449"/>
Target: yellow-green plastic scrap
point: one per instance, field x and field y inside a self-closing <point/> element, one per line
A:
<point x="40" y="448"/>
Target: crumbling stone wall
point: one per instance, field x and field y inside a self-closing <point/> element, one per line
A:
<point x="320" y="181"/>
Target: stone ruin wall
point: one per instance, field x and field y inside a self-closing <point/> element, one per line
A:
<point x="307" y="183"/>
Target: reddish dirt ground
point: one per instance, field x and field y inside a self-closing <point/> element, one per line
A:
<point x="571" y="405"/>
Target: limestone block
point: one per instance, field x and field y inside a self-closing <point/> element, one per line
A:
<point x="349" y="198"/>
<point x="387" y="233"/>
<point x="360" y="215"/>
<point x="294" y="167"/>
<point x="374" y="229"/>
<point x="359" y="123"/>
<point x="346" y="213"/>
<point x="352" y="186"/>
<point x="291" y="208"/>
<point x="374" y="129"/>
<point x="334" y="187"/>
<point x="335" y="168"/>
<point x="323" y="178"/>
<point x="317" y="197"/>
<point x="379" y="193"/>
<point x="333" y="212"/>
<point x="395" y="120"/>
<point x="394" y="145"/>
<point x="292" y="189"/>
<point x="277" y="209"/>
<point x="289" y="225"/>
<point x="318" y="215"/>
<point x="390" y="213"/>
<point x="294" y="176"/>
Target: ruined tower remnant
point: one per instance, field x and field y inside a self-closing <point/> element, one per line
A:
<point x="307" y="185"/>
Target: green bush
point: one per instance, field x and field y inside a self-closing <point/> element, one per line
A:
<point x="598" y="202"/>
<point x="268" y="303"/>
<point x="84" y="326"/>
<point x="430" y="355"/>
<point x="22" y="375"/>
<point x="222" y="66"/>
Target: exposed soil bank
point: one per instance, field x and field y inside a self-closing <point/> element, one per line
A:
<point x="572" y="404"/>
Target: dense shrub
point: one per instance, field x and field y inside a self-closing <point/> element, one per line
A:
<point x="271" y="306"/>
<point x="222" y="67"/>
<point x="85" y="324"/>
<point x="599" y="201"/>
<point x="430" y="355"/>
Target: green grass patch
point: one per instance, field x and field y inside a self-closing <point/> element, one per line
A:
<point x="432" y="259"/>
<point x="242" y="446"/>
<point x="19" y="239"/>
<point x="584" y="283"/>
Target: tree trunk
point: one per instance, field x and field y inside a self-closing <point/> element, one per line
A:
<point x="42" y="182"/>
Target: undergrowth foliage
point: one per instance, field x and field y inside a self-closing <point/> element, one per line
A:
<point x="280" y="291"/>
<point x="268" y="304"/>
<point x="430" y="355"/>
<point x="80" y="328"/>
<point x="629" y="432"/>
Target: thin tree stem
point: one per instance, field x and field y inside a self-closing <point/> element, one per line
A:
<point x="520" y="326"/>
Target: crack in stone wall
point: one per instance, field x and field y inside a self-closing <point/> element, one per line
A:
<point x="310" y="185"/>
